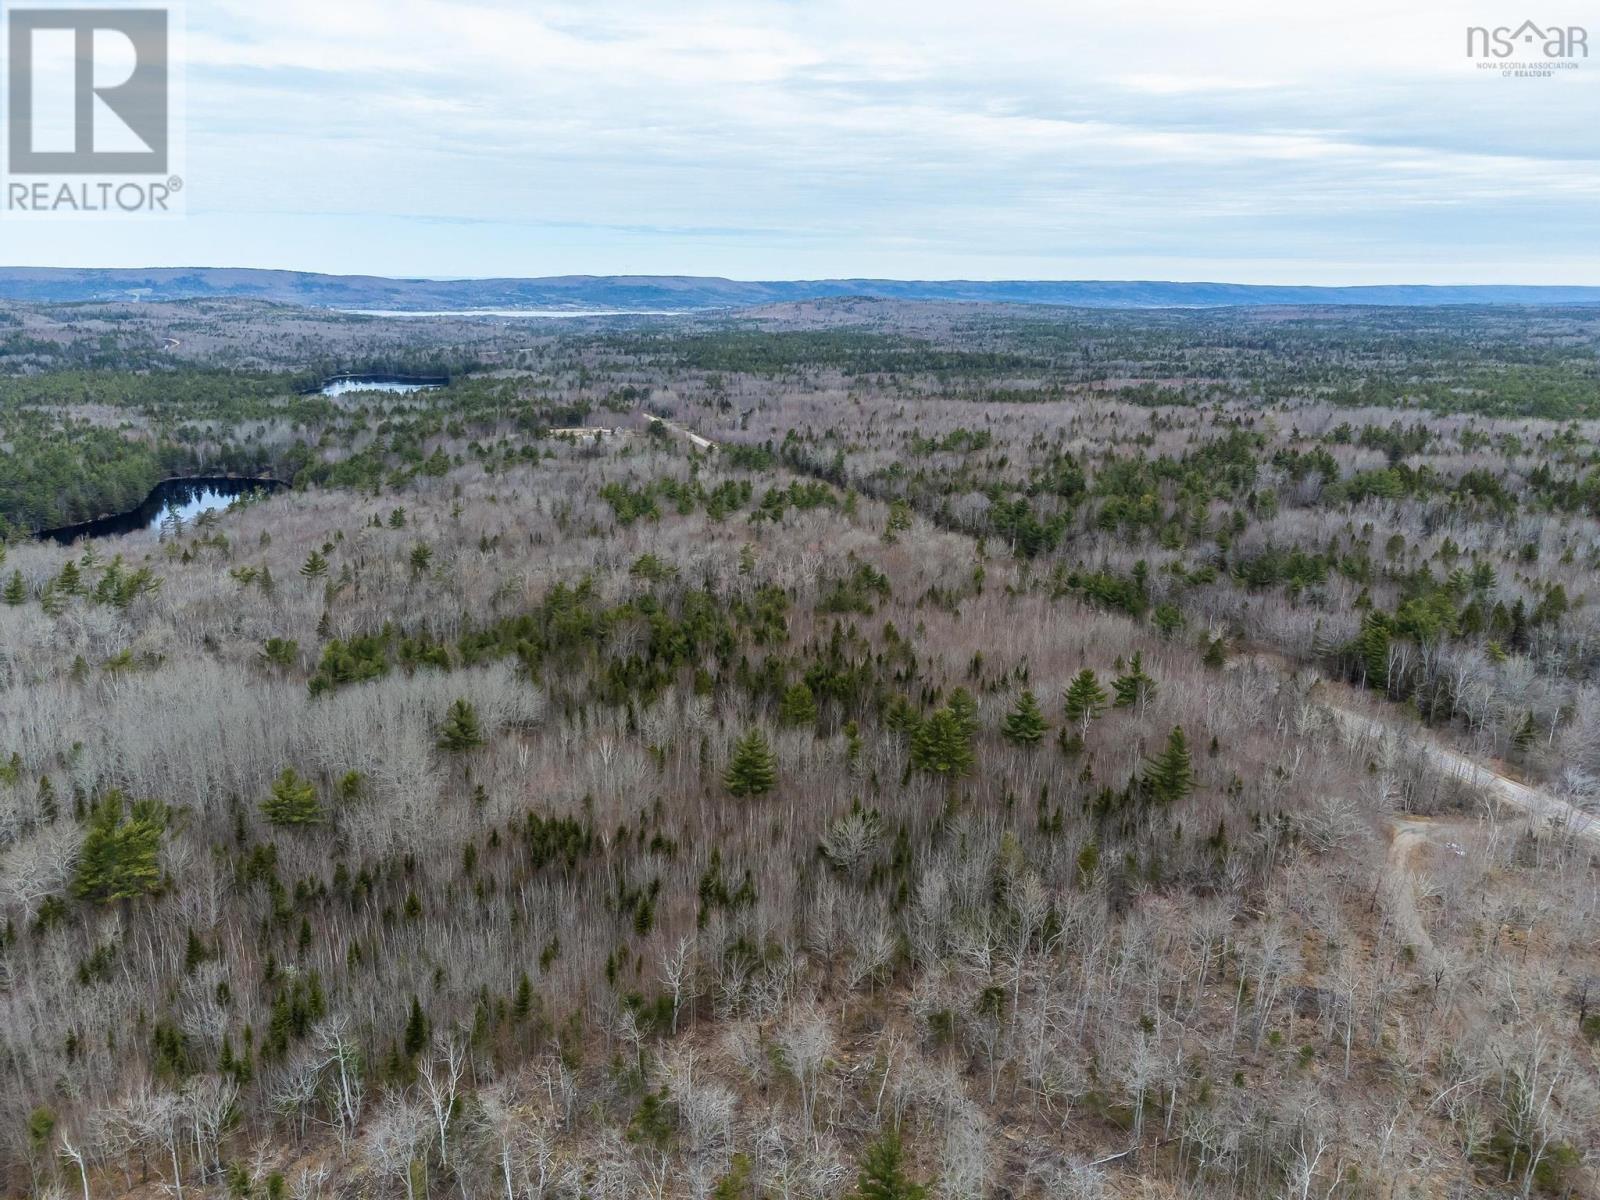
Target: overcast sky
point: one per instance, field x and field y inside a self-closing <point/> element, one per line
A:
<point x="1227" y="140"/>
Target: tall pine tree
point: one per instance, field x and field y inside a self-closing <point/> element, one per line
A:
<point x="1025" y="724"/>
<point x="799" y="706"/>
<point x="1170" y="775"/>
<point x="965" y="710"/>
<point x="883" y="1173"/>
<point x="1372" y="644"/>
<point x="292" y="801"/>
<point x="1085" y="699"/>
<point x="753" y="769"/>
<point x="121" y="852"/>
<point x="461" y="730"/>
<point x="1134" y="688"/>
<point x="416" y="1033"/>
<point x="942" y="745"/>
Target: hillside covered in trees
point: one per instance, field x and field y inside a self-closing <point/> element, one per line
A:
<point x="854" y="750"/>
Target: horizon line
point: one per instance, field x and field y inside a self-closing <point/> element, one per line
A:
<point x="908" y="279"/>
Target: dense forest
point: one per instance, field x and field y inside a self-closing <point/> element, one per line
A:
<point x="876" y="751"/>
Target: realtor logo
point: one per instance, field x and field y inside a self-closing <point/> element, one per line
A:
<point x="1547" y="42"/>
<point x="88" y="91"/>
<point x="93" y="110"/>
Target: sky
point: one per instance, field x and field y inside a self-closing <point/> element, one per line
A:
<point x="1233" y="140"/>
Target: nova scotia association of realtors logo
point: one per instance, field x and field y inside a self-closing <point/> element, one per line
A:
<point x="89" y="114"/>
<point x="1528" y="50"/>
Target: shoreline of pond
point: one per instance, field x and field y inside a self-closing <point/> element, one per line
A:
<point x="142" y="515"/>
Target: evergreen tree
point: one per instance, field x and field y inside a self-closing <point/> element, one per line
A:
<point x="1134" y="687"/>
<point x="1088" y="862"/>
<point x="942" y="745"/>
<point x="416" y="1035"/>
<point x="315" y="566"/>
<point x="1372" y="645"/>
<point x="799" y="706"/>
<point x="1141" y="578"/>
<point x="279" y="652"/>
<point x="965" y="710"/>
<point x="735" y="1183"/>
<point x="461" y="731"/>
<point x="293" y="801"/>
<point x="41" y="1125"/>
<point x="1167" y="619"/>
<point x="1085" y="699"/>
<point x="1025" y="725"/>
<point x="1170" y="775"/>
<point x="16" y="591"/>
<point x="1216" y="653"/>
<point x="522" y="1004"/>
<point x="119" y="860"/>
<point x="753" y="769"/>
<point x="47" y="799"/>
<point x="899" y="520"/>
<point x="194" y="952"/>
<point x="883" y="1173"/>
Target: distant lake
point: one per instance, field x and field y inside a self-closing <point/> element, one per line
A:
<point x="180" y="499"/>
<point x="396" y="384"/>
<point x="531" y="314"/>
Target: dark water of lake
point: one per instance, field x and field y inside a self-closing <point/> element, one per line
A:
<point x="176" y="499"/>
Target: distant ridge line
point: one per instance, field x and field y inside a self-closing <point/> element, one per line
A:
<point x="687" y="293"/>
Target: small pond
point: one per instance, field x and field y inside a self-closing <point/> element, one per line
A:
<point x="173" y="500"/>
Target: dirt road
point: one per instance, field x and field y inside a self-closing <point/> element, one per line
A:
<point x="693" y="438"/>
<point x="1353" y="713"/>
<point x="1409" y="837"/>
<point x="1537" y="802"/>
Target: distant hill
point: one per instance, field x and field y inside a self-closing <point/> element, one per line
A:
<point x="688" y="292"/>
